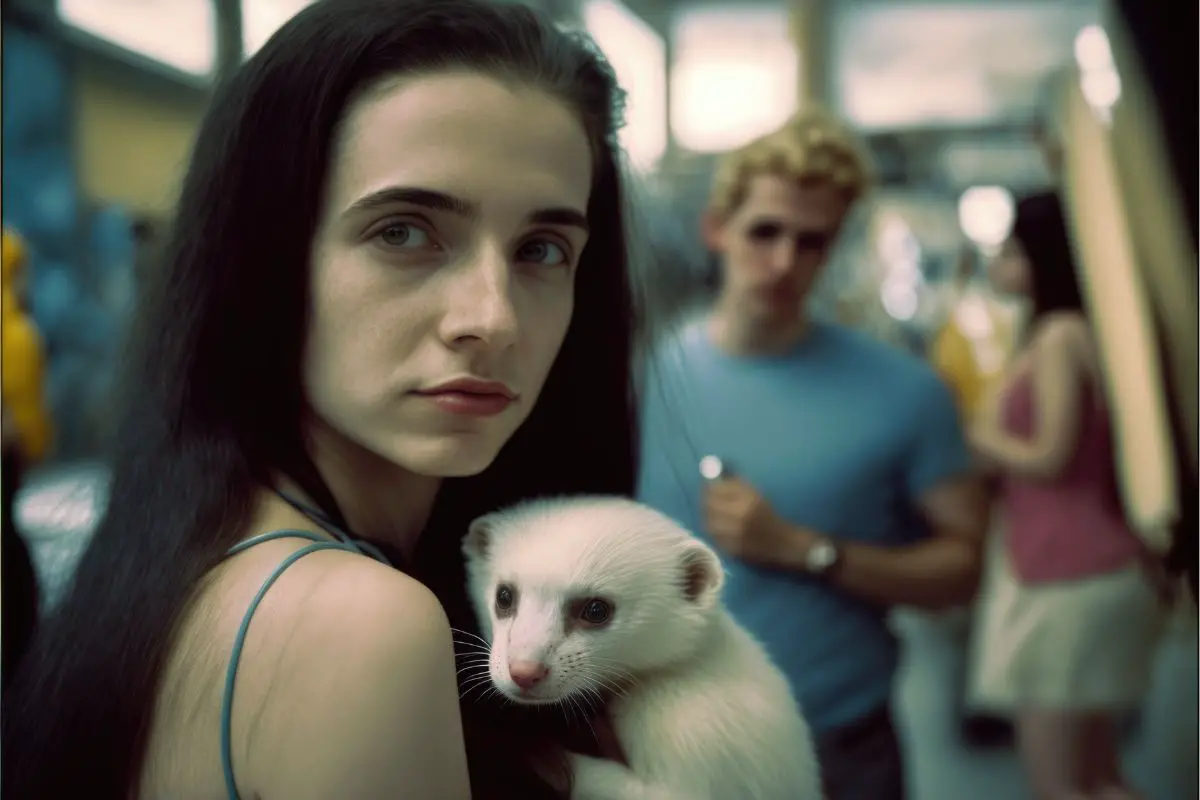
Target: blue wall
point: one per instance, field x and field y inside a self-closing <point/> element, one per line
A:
<point x="81" y="257"/>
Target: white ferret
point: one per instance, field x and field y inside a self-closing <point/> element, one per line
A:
<point x="594" y="597"/>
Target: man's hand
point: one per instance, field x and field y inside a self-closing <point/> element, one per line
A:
<point x="743" y="524"/>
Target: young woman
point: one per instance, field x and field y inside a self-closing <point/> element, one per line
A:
<point x="1080" y="635"/>
<point x="395" y="297"/>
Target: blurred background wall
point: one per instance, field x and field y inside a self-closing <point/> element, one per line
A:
<point x="134" y="131"/>
<point x="963" y="105"/>
<point x="960" y="102"/>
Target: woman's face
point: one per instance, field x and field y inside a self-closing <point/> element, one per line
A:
<point x="454" y="222"/>
<point x="1009" y="271"/>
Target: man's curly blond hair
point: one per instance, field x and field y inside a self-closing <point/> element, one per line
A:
<point x="813" y="148"/>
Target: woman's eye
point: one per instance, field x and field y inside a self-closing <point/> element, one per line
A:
<point x="543" y="252"/>
<point x="404" y="234"/>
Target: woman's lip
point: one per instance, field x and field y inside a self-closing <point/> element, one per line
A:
<point x="468" y="404"/>
<point x="476" y="386"/>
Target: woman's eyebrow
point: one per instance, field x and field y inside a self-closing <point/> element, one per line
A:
<point x="440" y="201"/>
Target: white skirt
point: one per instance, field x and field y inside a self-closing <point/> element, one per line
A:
<point x="1086" y="645"/>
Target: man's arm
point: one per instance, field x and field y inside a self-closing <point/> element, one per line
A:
<point x="938" y="572"/>
<point x="942" y="569"/>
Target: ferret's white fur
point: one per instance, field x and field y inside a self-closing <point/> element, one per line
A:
<point x="700" y="711"/>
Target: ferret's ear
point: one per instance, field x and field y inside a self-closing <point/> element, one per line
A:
<point x="479" y="537"/>
<point x="703" y="575"/>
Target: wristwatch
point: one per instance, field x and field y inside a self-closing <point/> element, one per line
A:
<point x="822" y="558"/>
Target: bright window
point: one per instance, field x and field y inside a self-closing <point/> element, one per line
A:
<point x="178" y="33"/>
<point x="735" y="77"/>
<point x="261" y="18"/>
<point x="985" y="214"/>
<point x="638" y="55"/>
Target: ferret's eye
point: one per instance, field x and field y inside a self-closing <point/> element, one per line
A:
<point x="504" y="598"/>
<point x="595" y="612"/>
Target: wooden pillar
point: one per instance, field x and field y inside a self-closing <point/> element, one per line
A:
<point x="812" y="32"/>
<point x="231" y="48"/>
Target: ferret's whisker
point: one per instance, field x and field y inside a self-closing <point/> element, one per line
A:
<point x="479" y="672"/>
<point x="475" y="658"/>
<point x="587" y="720"/>
<point x="475" y="669"/>
<point x="568" y="707"/>
<point x="471" y="684"/>
<point x="466" y="695"/>
<point x="591" y="699"/>
<point x="612" y="687"/>
<point x="470" y="635"/>
<point x="468" y="686"/>
<point x="612" y="665"/>
<point x="472" y="669"/>
<point x="611" y="680"/>
<point x="577" y="706"/>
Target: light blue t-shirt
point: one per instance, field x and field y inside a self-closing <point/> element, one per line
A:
<point x="841" y="435"/>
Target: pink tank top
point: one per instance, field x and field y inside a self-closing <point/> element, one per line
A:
<point x="1070" y="527"/>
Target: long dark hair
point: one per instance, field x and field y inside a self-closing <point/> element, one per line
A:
<point x="214" y="405"/>
<point x="1040" y="225"/>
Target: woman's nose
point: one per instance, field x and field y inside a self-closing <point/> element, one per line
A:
<point x="480" y="305"/>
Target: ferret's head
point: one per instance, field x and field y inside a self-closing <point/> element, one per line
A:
<point x="579" y="597"/>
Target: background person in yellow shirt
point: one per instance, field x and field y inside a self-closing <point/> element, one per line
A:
<point x="25" y="421"/>
<point x="974" y="345"/>
<point x="23" y="360"/>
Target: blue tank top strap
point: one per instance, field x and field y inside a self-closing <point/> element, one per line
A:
<point x="318" y="543"/>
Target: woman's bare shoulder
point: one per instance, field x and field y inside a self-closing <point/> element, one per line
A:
<point x="360" y="696"/>
<point x="345" y="680"/>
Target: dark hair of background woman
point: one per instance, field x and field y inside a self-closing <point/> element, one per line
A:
<point x="1040" y="225"/>
<point x="214" y="405"/>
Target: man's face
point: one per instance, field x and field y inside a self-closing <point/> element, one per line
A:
<point x="773" y="245"/>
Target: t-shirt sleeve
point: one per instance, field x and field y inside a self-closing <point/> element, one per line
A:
<point x="937" y="449"/>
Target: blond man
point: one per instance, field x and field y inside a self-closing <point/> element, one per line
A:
<point x="845" y="486"/>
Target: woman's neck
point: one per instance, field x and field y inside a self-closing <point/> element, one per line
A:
<point x="378" y="500"/>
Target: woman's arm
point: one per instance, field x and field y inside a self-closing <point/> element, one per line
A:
<point x="1057" y="383"/>
<point x="365" y="702"/>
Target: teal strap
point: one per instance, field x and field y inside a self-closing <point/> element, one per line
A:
<point x="267" y="537"/>
<point x="318" y="544"/>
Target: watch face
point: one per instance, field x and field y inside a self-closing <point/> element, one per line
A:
<point x="821" y="556"/>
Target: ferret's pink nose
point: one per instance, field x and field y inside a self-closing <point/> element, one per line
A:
<point x="527" y="674"/>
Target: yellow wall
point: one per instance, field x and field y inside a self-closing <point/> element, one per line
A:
<point x="133" y="134"/>
<point x="811" y="29"/>
<point x="1122" y="315"/>
<point x="1165" y="252"/>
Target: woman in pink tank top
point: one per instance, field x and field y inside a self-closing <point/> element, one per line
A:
<point x="1080" y="633"/>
